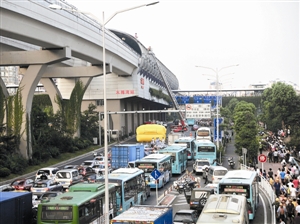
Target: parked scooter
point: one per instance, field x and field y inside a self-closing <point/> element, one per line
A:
<point x="231" y="162"/>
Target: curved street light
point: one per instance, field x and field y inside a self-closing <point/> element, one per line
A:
<point x="216" y="71"/>
<point x="103" y="23"/>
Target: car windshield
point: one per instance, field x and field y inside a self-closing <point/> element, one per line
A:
<point x="47" y="172"/>
<point x="200" y="194"/>
<point x="17" y="182"/>
<point x="202" y="163"/>
<point x="220" y="172"/>
<point x="179" y="217"/>
<point x="63" y="175"/>
<point x="40" y="185"/>
<point x="86" y="163"/>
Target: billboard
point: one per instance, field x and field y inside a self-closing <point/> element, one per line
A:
<point x="198" y="110"/>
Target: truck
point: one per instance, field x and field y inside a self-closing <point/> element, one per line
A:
<point x="172" y="137"/>
<point x="145" y="214"/>
<point x="147" y="132"/>
<point x="122" y="154"/>
<point x="16" y="207"/>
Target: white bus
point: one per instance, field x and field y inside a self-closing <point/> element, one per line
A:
<point x="204" y="133"/>
<point x="224" y="208"/>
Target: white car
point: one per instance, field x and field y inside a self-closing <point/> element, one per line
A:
<point x="90" y="163"/>
<point x="48" y="171"/>
<point x="200" y="165"/>
<point x="100" y="169"/>
<point x="213" y="186"/>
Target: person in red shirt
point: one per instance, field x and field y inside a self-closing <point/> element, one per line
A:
<point x="296" y="183"/>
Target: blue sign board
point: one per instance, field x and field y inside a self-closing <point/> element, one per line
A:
<point x="215" y="131"/>
<point x="155" y="174"/>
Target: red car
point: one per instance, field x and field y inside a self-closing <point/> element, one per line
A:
<point x="179" y="129"/>
<point x="22" y="184"/>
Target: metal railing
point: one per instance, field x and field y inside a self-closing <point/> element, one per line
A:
<point x="265" y="186"/>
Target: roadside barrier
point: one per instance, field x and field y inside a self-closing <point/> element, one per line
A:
<point x="265" y="186"/>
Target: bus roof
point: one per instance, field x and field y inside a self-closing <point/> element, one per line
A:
<point x="71" y="198"/>
<point x="204" y="142"/>
<point x="224" y="203"/>
<point x="126" y="171"/>
<point x="240" y="174"/>
<point x="204" y="128"/>
<point x="173" y="148"/>
<point x="89" y="187"/>
<point x="154" y="157"/>
<point x="142" y="213"/>
<point x="185" y="139"/>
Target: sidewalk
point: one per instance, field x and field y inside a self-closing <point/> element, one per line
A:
<point x="266" y="166"/>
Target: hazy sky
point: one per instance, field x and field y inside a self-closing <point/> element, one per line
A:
<point x="261" y="36"/>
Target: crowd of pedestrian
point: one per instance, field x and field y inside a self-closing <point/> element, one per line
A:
<point x="285" y="181"/>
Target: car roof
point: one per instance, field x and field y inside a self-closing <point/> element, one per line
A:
<point x="186" y="211"/>
<point x="67" y="170"/>
<point x="43" y="181"/>
<point x="49" y="168"/>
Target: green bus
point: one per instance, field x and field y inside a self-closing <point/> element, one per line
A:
<point x="83" y="204"/>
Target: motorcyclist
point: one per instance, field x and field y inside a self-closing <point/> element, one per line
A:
<point x="231" y="162"/>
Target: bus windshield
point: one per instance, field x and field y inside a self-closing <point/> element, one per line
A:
<point x="147" y="167"/>
<point x="203" y="133"/>
<point x="235" y="189"/>
<point x="206" y="149"/>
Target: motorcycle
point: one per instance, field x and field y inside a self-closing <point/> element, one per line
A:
<point x="95" y="154"/>
<point x="231" y="163"/>
<point x="184" y="185"/>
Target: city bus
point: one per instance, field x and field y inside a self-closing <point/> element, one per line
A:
<point x="162" y="163"/>
<point x="84" y="203"/>
<point x="130" y="186"/>
<point x="190" y="144"/>
<point x="204" y="133"/>
<point x="190" y="121"/>
<point x="205" y="149"/>
<point x="242" y="182"/>
<point x="178" y="155"/>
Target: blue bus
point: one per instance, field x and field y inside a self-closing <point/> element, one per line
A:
<point x="178" y="155"/>
<point x="205" y="149"/>
<point x="130" y="186"/>
<point x="242" y="182"/>
<point x="190" y="121"/>
<point x="190" y="144"/>
<point x="161" y="162"/>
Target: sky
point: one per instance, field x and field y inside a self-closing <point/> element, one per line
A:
<point x="260" y="36"/>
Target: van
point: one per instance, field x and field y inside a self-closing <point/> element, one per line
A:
<point x="215" y="174"/>
<point x="225" y="208"/>
<point x="48" y="171"/>
<point x="68" y="177"/>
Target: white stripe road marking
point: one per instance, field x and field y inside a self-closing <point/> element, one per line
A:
<point x="265" y="211"/>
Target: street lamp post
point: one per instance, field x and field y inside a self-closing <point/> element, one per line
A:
<point x="216" y="71"/>
<point x="103" y="23"/>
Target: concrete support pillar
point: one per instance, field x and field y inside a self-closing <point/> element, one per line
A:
<point x="37" y="62"/>
<point x="28" y="85"/>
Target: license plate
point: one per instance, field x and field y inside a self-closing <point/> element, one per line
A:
<point x="38" y="190"/>
<point x="62" y="182"/>
<point x="195" y="202"/>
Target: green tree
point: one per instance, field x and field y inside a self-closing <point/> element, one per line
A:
<point x="245" y="126"/>
<point x="278" y="103"/>
<point x="90" y="123"/>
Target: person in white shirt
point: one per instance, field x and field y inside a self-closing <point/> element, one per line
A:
<point x="293" y="191"/>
